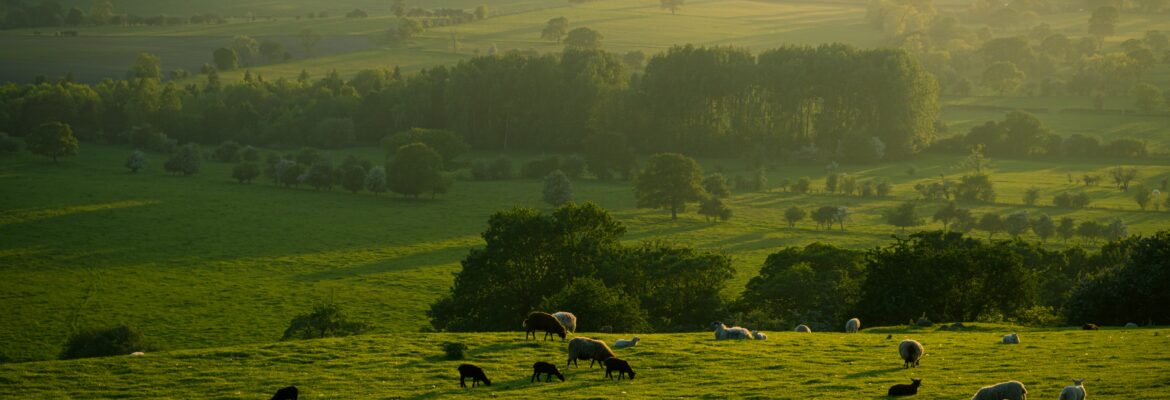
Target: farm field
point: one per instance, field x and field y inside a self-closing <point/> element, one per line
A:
<point x="86" y="243"/>
<point x="1116" y="363"/>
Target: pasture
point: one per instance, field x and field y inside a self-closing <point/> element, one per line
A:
<point x="203" y="261"/>
<point x="1116" y="362"/>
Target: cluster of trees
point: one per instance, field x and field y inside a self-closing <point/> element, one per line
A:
<point x="703" y="101"/>
<point x="572" y="258"/>
<point x="1015" y="224"/>
<point x="951" y="277"/>
<point x="244" y="51"/>
<point x="1021" y="134"/>
<point x="50" y="13"/>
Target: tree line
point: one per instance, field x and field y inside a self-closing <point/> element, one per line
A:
<point x="821" y="102"/>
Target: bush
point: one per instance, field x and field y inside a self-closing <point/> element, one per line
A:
<point x="112" y="341"/>
<point x="326" y="320"/>
<point x="573" y="166"/>
<point x="186" y="160"/>
<point x="228" y="152"/>
<point x="1071" y="200"/>
<point x="136" y="161"/>
<point x="245" y="172"/>
<point x="540" y="168"/>
<point x="454" y="350"/>
<point x="9" y="144"/>
<point x="499" y="169"/>
<point x="448" y="144"/>
<point x="250" y="154"/>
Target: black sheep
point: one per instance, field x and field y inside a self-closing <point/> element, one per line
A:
<point x="905" y="390"/>
<point x="542" y="367"/>
<point x="542" y="321"/>
<point x="288" y="393"/>
<point x="619" y="365"/>
<point x="475" y="373"/>
<point x="1090" y="327"/>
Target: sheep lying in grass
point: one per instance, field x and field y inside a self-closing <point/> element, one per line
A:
<point x="1011" y="339"/>
<point x="137" y="354"/>
<point x="582" y="348"/>
<point x="904" y="390"/>
<point x="1010" y="390"/>
<point x="722" y="332"/>
<point x="475" y="373"/>
<point x="757" y="335"/>
<point x="286" y="393"/>
<point x="542" y="367"/>
<point x="619" y="365"/>
<point x="1074" y="392"/>
<point x="542" y="321"/>
<point x="567" y="319"/>
<point x="911" y="351"/>
<point x="852" y="325"/>
<point x="620" y="343"/>
<point x="803" y="328"/>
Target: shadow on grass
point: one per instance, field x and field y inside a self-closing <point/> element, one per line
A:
<point x="873" y="373"/>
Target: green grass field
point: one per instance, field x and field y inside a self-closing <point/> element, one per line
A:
<point x="203" y="261"/>
<point x="1117" y="363"/>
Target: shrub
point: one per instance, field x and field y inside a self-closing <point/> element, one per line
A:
<point x="228" y="152"/>
<point x="116" y="340"/>
<point x="448" y="144"/>
<point x="501" y="168"/>
<point x="802" y="185"/>
<point x="454" y="350"/>
<point x="540" y="168"/>
<point x="1071" y="200"/>
<point x="186" y="160"/>
<point x="326" y="320"/>
<point x="713" y="208"/>
<point x="376" y="180"/>
<point x="977" y="187"/>
<point x="573" y="166"/>
<point x="557" y="189"/>
<point x="250" y="154"/>
<point x="716" y="185"/>
<point x="245" y="172"/>
<point x="883" y="187"/>
<point x="9" y="144"/>
<point x="136" y="161"/>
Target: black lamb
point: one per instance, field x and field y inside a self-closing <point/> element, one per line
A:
<point x="542" y="367"/>
<point x="475" y="373"/>
<point x="287" y="393"/>
<point x="620" y="365"/>
<point x="905" y="390"/>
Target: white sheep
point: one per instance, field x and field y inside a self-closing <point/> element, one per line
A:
<point x="1010" y="390"/>
<point x="852" y="325"/>
<point x="759" y="335"/>
<point x="722" y="332"/>
<point x="803" y="328"/>
<point x="1074" y="392"/>
<point x="568" y="320"/>
<point x="911" y="351"/>
<point x="1011" y="339"/>
<point x="620" y="343"/>
<point x="137" y="354"/>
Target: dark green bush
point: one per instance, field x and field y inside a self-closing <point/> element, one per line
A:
<point x="112" y="341"/>
<point x="454" y="350"/>
<point x="326" y="320"/>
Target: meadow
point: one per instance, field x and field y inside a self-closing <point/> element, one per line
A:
<point x="203" y="261"/>
<point x="1116" y="362"/>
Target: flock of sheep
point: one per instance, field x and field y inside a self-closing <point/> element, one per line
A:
<point x="596" y="351"/>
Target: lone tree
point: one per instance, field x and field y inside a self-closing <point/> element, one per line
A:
<point x="557" y="189"/>
<point x="225" y="59"/>
<point x="1003" y="77"/>
<point x="712" y="208"/>
<point x="947" y="214"/>
<point x="415" y="169"/>
<point x="672" y="5"/>
<point x="555" y="29"/>
<point x="793" y="215"/>
<point x="186" y="160"/>
<point x="245" y="172"/>
<point x="136" y="161"/>
<point x="670" y="180"/>
<point x="1103" y="21"/>
<point x="53" y="140"/>
<point x="583" y="39"/>
<point x="904" y="216"/>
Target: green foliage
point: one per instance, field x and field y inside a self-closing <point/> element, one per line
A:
<point x="716" y="185"/>
<point x="245" y="172"/>
<point x="596" y="305"/>
<point x="136" y="161"/>
<point x="1078" y="199"/>
<point x="608" y="154"/>
<point x="102" y="342"/>
<point x="1136" y="289"/>
<point x="186" y="160"/>
<point x="9" y="144"/>
<point x="415" y="169"/>
<point x="670" y="180"/>
<point x="802" y="185"/>
<point x="353" y="177"/>
<point x="146" y="66"/>
<point x="541" y="167"/>
<point x="573" y="166"/>
<point x="1044" y="227"/>
<point x="1016" y="224"/>
<point x="319" y="176"/>
<point x="1003" y="77"/>
<point x="376" y="180"/>
<point x="583" y="39"/>
<point x="904" y="216"/>
<point x="976" y="187"/>
<point x="1103" y="21"/>
<point x="53" y="140"/>
<point x="449" y="145"/>
<point x="793" y="215"/>
<point x="326" y="320"/>
<point x="818" y="285"/>
<point x="557" y="189"/>
<point x="225" y="59"/>
<point x="555" y="29"/>
<point x="500" y="169"/>
<point x="713" y="208"/>
<point x="991" y="223"/>
<point x="454" y="350"/>
<point x="1031" y="195"/>
<point x="250" y="154"/>
<point x="332" y="133"/>
<point x="228" y="152"/>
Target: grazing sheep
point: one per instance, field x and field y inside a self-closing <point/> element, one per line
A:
<point x="567" y="319"/>
<point x="911" y="352"/>
<point x="759" y="335"/>
<point x="542" y="321"/>
<point x="286" y="393"/>
<point x="620" y="343"/>
<point x="1010" y="390"/>
<point x="542" y="367"/>
<point x="803" y="328"/>
<point x="582" y="348"/>
<point x="905" y="390"/>
<point x="1074" y="392"/>
<point x="619" y="365"/>
<point x="1011" y="339"/>
<point x="1090" y="327"/>
<point x="137" y="354"/>
<point x="852" y="325"/>
<point x="722" y="332"/>
<point x="475" y="373"/>
<point x="1131" y="325"/>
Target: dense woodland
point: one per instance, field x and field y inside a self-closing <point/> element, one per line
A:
<point x="806" y="102"/>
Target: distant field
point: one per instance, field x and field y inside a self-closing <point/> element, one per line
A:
<point x="1116" y="364"/>
<point x="86" y="243"/>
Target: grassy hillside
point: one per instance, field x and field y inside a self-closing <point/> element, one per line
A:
<point x="1116" y="363"/>
<point x="87" y="244"/>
